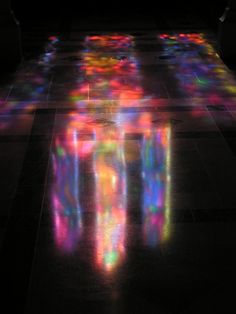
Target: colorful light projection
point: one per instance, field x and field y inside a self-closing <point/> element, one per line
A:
<point x="156" y="185"/>
<point x="110" y="70"/>
<point x="49" y="55"/>
<point x="106" y="148"/>
<point x="197" y="67"/>
<point x="111" y="199"/>
<point x="110" y="42"/>
<point x="112" y="75"/>
<point x="32" y="80"/>
<point x="155" y="148"/>
<point x="102" y="139"/>
<point x="84" y="139"/>
<point x="30" y="85"/>
<point x="73" y="145"/>
<point x="35" y="76"/>
<point x="66" y="192"/>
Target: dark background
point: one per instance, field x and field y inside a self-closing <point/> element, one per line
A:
<point x="208" y="10"/>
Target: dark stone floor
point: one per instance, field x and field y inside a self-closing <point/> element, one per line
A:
<point x="118" y="172"/>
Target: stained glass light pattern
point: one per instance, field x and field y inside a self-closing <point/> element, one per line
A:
<point x="156" y="185"/>
<point x="30" y="84"/>
<point x="197" y="67"/>
<point x="110" y="70"/>
<point x="65" y="193"/>
<point x="111" y="190"/>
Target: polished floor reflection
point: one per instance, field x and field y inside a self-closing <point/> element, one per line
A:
<point x="117" y="155"/>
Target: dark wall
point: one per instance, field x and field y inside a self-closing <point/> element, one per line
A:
<point x="208" y="9"/>
<point x="53" y="7"/>
<point x="211" y="11"/>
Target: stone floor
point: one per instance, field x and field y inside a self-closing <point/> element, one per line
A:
<point x="118" y="173"/>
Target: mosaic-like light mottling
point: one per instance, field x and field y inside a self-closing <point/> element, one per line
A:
<point x="102" y="139"/>
<point x="111" y="42"/>
<point x="197" y="67"/>
<point x="156" y="184"/>
<point x="65" y="193"/>
<point x="32" y="79"/>
<point x="111" y="199"/>
<point x="110" y="70"/>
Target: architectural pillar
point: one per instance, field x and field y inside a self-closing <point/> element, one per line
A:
<point x="10" y="41"/>
<point x="227" y="33"/>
